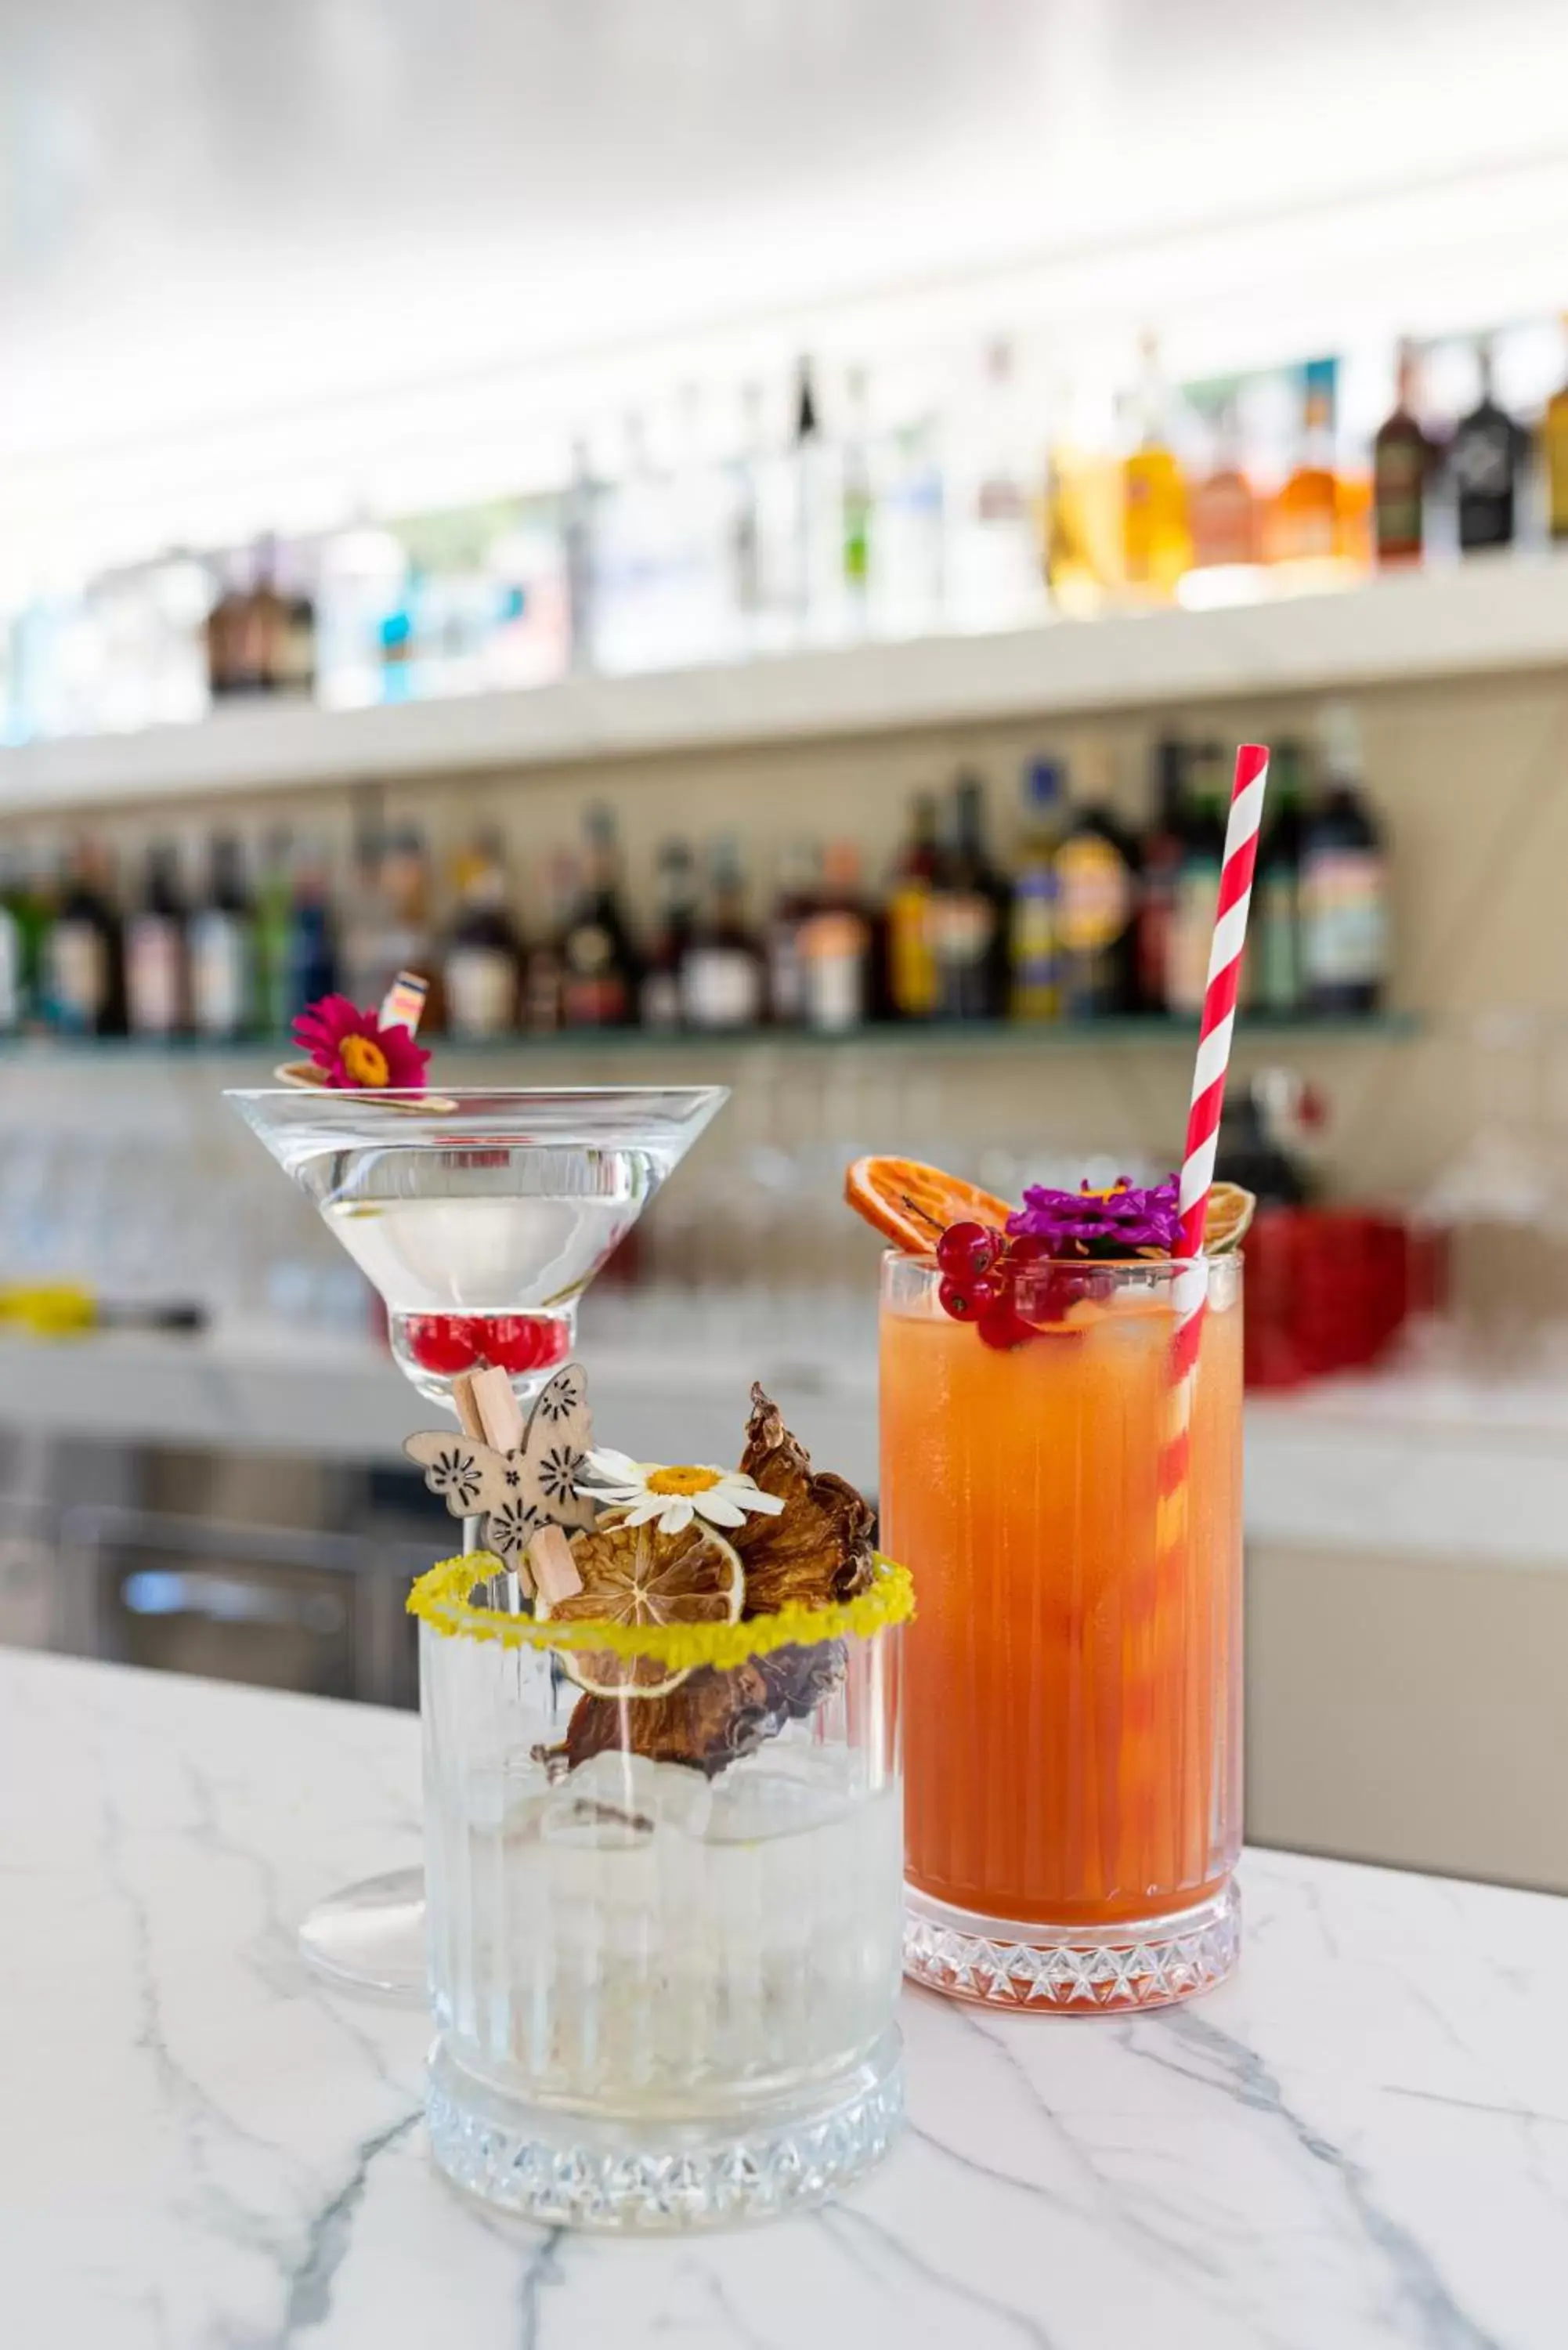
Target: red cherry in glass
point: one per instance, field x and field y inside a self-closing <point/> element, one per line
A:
<point x="443" y="1342"/>
<point x="517" y="1343"/>
<point x="967" y="1250"/>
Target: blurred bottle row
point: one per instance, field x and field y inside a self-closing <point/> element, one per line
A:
<point x="685" y="537"/>
<point x="1083" y="916"/>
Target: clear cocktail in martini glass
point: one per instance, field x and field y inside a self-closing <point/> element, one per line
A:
<point x="481" y="1218"/>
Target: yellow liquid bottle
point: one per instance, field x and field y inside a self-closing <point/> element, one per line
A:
<point x="1156" y="542"/>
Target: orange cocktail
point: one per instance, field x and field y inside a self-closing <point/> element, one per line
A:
<point x="1073" y="1779"/>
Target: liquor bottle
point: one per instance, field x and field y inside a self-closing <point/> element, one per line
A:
<point x="1084" y="508"/>
<point x="599" y="983"/>
<point x="229" y="643"/>
<point x="1197" y="882"/>
<point x="856" y="505"/>
<point x="798" y="895"/>
<point x="222" y="948"/>
<point x="1096" y="910"/>
<point x="1156" y="546"/>
<point x="481" y="966"/>
<point x="724" y="981"/>
<point x="1273" y="978"/>
<point x="912" y="966"/>
<point x="1401" y="462"/>
<point x="1304" y="518"/>
<point x="13" y="951"/>
<point x="1484" y="459"/>
<point x="266" y="623"/>
<point x="814" y="557"/>
<point x="835" y="948"/>
<point x="275" y="917"/>
<point x="908" y="553"/>
<point x="1343" y="884"/>
<point x="1223" y="507"/>
<point x="747" y="472"/>
<point x="1036" y="988"/>
<point x="994" y="573"/>
<point x="157" y="974"/>
<point x="363" y="923"/>
<point x="84" y="956"/>
<point x="310" y="959"/>
<point x="406" y="940"/>
<point x="1159" y="876"/>
<point x="970" y="910"/>
<point x="1554" y="457"/>
<point x="659" y="994"/>
<point x="544" y="968"/>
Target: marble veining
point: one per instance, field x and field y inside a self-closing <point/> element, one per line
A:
<point x="1362" y="2140"/>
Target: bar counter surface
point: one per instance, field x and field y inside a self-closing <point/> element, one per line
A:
<point x="1363" y="2139"/>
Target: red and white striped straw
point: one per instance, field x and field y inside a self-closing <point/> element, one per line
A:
<point x="1215" y="1031"/>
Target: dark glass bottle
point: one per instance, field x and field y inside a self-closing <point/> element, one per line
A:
<point x="1159" y="876"/>
<point x="1196" y="881"/>
<point x="798" y="894"/>
<point x="599" y="984"/>
<point x="659" y="996"/>
<point x="86" y="957"/>
<point x="970" y="909"/>
<point x="1096" y="915"/>
<point x="1401" y="461"/>
<point x="1344" y="887"/>
<point x="156" y="977"/>
<point x="223" y="944"/>
<point x="482" y="962"/>
<point x="910" y="984"/>
<point x="311" y="948"/>
<point x="1484" y="459"/>
<point x="723" y="979"/>
<point x="1035" y="991"/>
<point x="1273" y="980"/>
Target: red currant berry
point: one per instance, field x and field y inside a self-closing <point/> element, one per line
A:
<point x="1028" y="1248"/>
<point x="967" y="1249"/>
<point x="999" y="1326"/>
<point x="443" y="1342"/>
<point x="955" y="1299"/>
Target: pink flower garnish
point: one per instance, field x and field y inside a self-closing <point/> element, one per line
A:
<point x="353" y="1051"/>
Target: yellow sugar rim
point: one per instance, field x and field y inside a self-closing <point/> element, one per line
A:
<point x="441" y="1599"/>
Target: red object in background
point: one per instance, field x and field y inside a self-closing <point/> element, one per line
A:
<point x="449" y="1342"/>
<point x="1328" y="1289"/>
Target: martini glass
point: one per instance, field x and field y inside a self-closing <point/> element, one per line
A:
<point x="467" y="1210"/>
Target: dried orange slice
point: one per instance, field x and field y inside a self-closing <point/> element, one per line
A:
<point x="1225" y="1220"/>
<point x="912" y="1205"/>
<point x="634" y="1574"/>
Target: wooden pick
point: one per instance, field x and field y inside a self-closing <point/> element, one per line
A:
<point x="555" y="1576"/>
<point x="467" y="1408"/>
<point x="498" y="1408"/>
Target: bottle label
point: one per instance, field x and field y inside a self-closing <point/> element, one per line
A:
<point x="911" y="962"/>
<point x="1095" y="894"/>
<point x="1034" y="931"/>
<point x="723" y="988"/>
<point x="1345" y="926"/>
<point x="833" y="956"/>
<point x="154" y="977"/>
<point x="480" y="991"/>
<point x="1398" y="479"/>
<point x="221" y="975"/>
<point x="787" y="976"/>
<point x="78" y="973"/>
<point x="963" y="924"/>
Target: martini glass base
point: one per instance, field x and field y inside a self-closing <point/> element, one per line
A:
<point x="370" y="1938"/>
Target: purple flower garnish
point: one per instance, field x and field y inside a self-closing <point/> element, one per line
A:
<point x="1122" y="1222"/>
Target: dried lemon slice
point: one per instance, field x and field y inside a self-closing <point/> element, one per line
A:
<point x="634" y="1574"/>
<point x="1225" y="1220"/>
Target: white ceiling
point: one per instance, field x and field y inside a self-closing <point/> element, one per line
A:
<point x="212" y="212"/>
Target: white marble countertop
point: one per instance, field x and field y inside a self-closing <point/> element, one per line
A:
<point x="1361" y="2140"/>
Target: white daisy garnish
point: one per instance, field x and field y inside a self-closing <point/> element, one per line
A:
<point x="670" y="1498"/>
